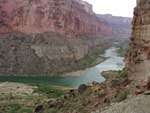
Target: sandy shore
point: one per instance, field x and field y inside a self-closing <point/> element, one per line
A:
<point x="74" y="74"/>
<point x="81" y="72"/>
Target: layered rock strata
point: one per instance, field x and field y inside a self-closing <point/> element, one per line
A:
<point x="45" y="37"/>
<point x="69" y="17"/>
<point x="43" y="54"/>
<point x="138" y="57"/>
<point x="41" y="37"/>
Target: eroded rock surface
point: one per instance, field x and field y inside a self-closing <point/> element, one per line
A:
<point x="44" y="37"/>
<point x="42" y="54"/>
<point x="138" y="58"/>
<point x="69" y="17"/>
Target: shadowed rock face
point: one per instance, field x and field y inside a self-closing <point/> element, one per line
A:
<point x="44" y="54"/>
<point x="69" y="17"/>
<point x="138" y="58"/>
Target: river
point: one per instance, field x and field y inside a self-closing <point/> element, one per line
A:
<point x="113" y="62"/>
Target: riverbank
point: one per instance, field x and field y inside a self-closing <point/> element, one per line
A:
<point x="66" y="80"/>
<point x="46" y="80"/>
<point x="55" y="91"/>
<point x="49" y="56"/>
<point x="99" y="59"/>
<point x="88" y="61"/>
<point x="115" y="94"/>
<point x="122" y="51"/>
<point x="101" y="95"/>
<point x="46" y="99"/>
<point x="76" y="78"/>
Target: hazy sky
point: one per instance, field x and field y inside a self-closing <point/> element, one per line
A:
<point x="115" y="7"/>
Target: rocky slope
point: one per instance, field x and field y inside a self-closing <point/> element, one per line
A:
<point x="138" y="56"/>
<point x="132" y="84"/>
<point x="139" y="104"/>
<point x="137" y="63"/>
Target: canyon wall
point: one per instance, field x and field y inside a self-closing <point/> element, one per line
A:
<point x="121" y="26"/>
<point x="69" y="17"/>
<point x="138" y="57"/>
<point x="44" y="54"/>
<point x="47" y="37"/>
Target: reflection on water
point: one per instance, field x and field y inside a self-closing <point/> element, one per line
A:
<point x="114" y="62"/>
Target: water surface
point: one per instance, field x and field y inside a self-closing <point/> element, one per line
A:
<point x="113" y="62"/>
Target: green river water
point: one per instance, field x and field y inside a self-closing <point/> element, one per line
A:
<point x="113" y="62"/>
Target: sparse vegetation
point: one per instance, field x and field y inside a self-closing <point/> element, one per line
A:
<point x="48" y="91"/>
<point x="12" y="108"/>
<point x="88" y="61"/>
<point x="114" y="74"/>
<point x="121" y="51"/>
<point x="18" y="102"/>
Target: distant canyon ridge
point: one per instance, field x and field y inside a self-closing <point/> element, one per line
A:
<point x="45" y="37"/>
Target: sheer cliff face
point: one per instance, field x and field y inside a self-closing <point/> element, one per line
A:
<point x="138" y="57"/>
<point x="42" y="37"/>
<point x="69" y="17"/>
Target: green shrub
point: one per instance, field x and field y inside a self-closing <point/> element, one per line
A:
<point x="121" y="51"/>
<point x="13" y="108"/>
<point x="48" y="91"/>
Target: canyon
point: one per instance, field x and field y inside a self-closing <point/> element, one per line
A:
<point x="48" y="37"/>
<point x="126" y="91"/>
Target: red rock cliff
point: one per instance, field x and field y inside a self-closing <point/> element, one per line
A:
<point x="39" y="36"/>
<point x="69" y="17"/>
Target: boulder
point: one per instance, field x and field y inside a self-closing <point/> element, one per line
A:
<point x="82" y="88"/>
<point x="39" y="109"/>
